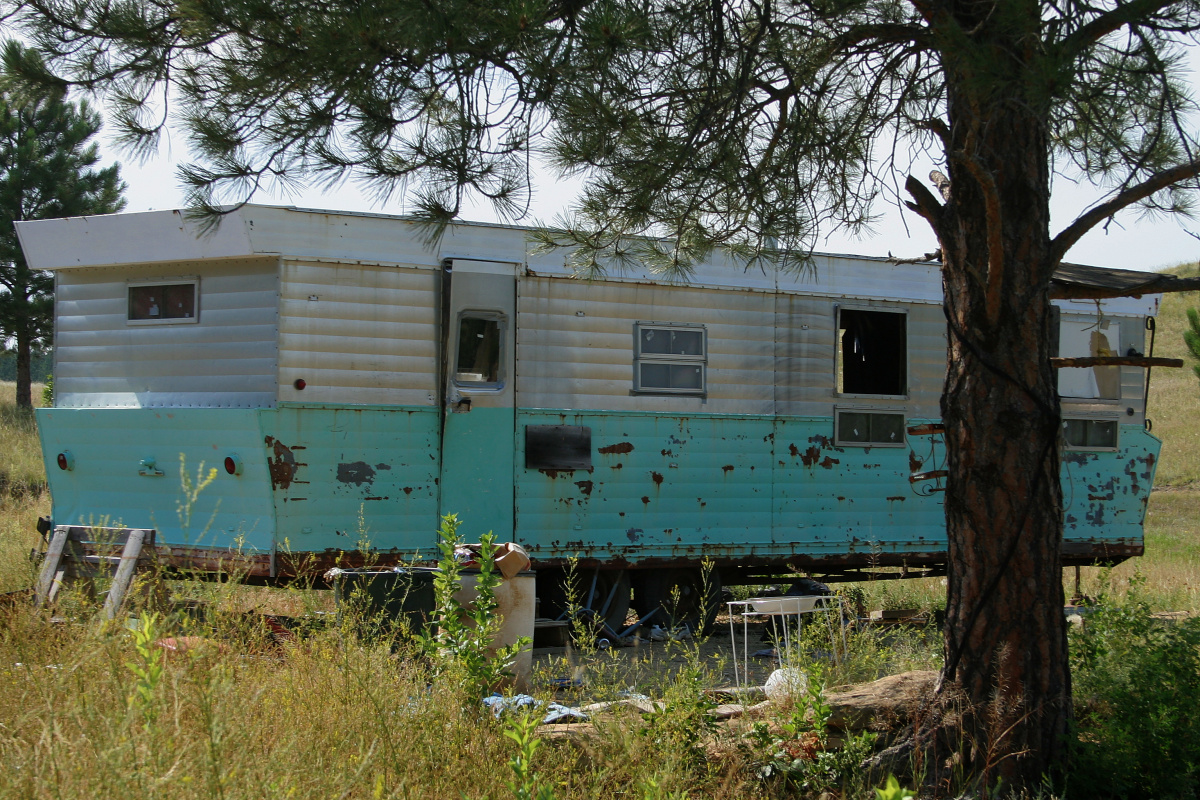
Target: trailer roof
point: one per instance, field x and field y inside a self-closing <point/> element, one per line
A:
<point x="257" y="230"/>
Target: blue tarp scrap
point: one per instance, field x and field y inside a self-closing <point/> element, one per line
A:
<point x="555" y="712"/>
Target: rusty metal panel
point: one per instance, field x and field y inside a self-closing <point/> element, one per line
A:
<point x="226" y="358"/>
<point x="1105" y="493"/>
<point x="358" y="334"/>
<point x="659" y="487"/>
<point x="575" y="345"/>
<point x="343" y="476"/>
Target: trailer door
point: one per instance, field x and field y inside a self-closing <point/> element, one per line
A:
<point x="479" y="364"/>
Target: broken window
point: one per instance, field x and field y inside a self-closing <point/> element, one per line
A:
<point x="478" y="362"/>
<point x="1089" y="337"/>
<point x="162" y="302"/>
<point x="1090" y="434"/>
<point x="669" y="359"/>
<point x="870" y="428"/>
<point x="872" y="352"/>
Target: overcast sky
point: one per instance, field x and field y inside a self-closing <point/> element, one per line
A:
<point x="1130" y="242"/>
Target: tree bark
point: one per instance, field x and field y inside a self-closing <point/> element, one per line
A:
<point x="1006" y="640"/>
<point x="24" y="358"/>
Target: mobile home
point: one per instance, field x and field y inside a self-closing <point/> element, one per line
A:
<point x="350" y="383"/>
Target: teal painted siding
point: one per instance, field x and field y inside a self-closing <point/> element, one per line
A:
<point x="730" y="486"/>
<point x="360" y="474"/>
<point x="477" y="480"/>
<point x="1105" y="493"/>
<point x="319" y="478"/>
<point x="105" y="488"/>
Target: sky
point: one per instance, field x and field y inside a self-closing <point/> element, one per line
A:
<point x="1129" y="242"/>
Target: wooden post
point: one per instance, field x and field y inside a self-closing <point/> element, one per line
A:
<point x="48" y="576"/>
<point x="125" y="572"/>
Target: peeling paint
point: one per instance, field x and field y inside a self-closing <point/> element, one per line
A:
<point x="282" y="465"/>
<point x="634" y="534"/>
<point x="645" y="500"/>
<point x="356" y="472"/>
<point x="616" y="449"/>
<point x="657" y="478"/>
<point x="828" y="462"/>
<point x="584" y="486"/>
<point x="728" y="468"/>
<point x="810" y="456"/>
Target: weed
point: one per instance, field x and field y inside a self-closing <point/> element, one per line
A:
<point x="522" y="729"/>
<point x="462" y="641"/>
<point x="1137" y="687"/>
<point x="148" y="669"/>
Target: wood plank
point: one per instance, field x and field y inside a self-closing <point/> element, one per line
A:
<point x="1116" y="361"/>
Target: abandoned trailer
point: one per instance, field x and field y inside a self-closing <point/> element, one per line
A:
<point x="351" y="384"/>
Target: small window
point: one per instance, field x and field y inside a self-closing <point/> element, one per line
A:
<point x="478" y="362"/>
<point x="872" y="428"/>
<point x="1090" y="434"/>
<point x="872" y="352"/>
<point x="669" y="358"/>
<point x="163" y="302"/>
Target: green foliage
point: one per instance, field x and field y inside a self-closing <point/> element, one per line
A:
<point x="148" y="669"/>
<point x="48" y="392"/>
<point x="462" y="641"/>
<point x="892" y="790"/>
<point x="47" y="158"/>
<point x="802" y="756"/>
<point x="1191" y="337"/>
<point x="522" y="729"/>
<point x="1137" y="688"/>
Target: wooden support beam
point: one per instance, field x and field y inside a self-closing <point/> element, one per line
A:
<point x="1116" y="361"/>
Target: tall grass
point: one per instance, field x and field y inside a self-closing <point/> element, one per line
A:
<point x="1174" y="405"/>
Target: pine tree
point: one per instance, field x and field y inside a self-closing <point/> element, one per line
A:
<point x="46" y="170"/>
<point x="1191" y="337"/>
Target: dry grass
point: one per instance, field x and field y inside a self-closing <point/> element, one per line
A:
<point x="21" y="468"/>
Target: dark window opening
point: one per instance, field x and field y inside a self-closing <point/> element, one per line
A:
<point x="872" y="428"/>
<point x="872" y="352"/>
<point x="162" y="301"/>
<point x="1090" y="433"/>
<point x="561" y="447"/>
<point x="478" y="350"/>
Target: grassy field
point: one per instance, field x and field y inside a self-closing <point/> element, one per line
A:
<point x="94" y="710"/>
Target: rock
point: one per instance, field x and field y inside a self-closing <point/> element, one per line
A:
<point x="883" y="704"/>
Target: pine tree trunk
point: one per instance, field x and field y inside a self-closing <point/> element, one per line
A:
<point x="1006" y="641"/>
<point x="24" y="360"/>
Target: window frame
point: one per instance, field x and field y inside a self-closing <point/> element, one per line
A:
<point x="640" y="358"/>
<point x="501" y="320"/>
<point x="838" y="308"/>
<point x="1093" y="418"/>
<point x="870" y="410"/>
<point x="194" y="280"/>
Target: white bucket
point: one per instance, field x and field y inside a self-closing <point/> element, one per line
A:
<point x="515" y="606"/>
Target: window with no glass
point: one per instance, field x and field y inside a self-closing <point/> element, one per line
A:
<point x="872" y="352"/>
<point x="669" y="358"/>
<point x="870" y="428"/>
<point x="163" y="302"/>
<point x="478" y="362"/>
<point x="1090" y="434"/>
<point x="1083" y="337"/>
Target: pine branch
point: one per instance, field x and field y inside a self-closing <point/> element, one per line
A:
<point x="1085" y="222"/>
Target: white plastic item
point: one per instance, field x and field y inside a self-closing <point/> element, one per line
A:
<point x="515" y="605"/>
<point x="799" y="604"/>
<point x="786" y="684"/>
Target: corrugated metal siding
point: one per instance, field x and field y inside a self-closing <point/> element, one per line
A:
<point x="370" y="336"/>
<point x="105" y="489"/>
<point x="224" y="360"/>
<point x="345" y="476"/>
<point x="575" y="345"/>
<point x="806" y="356"/>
